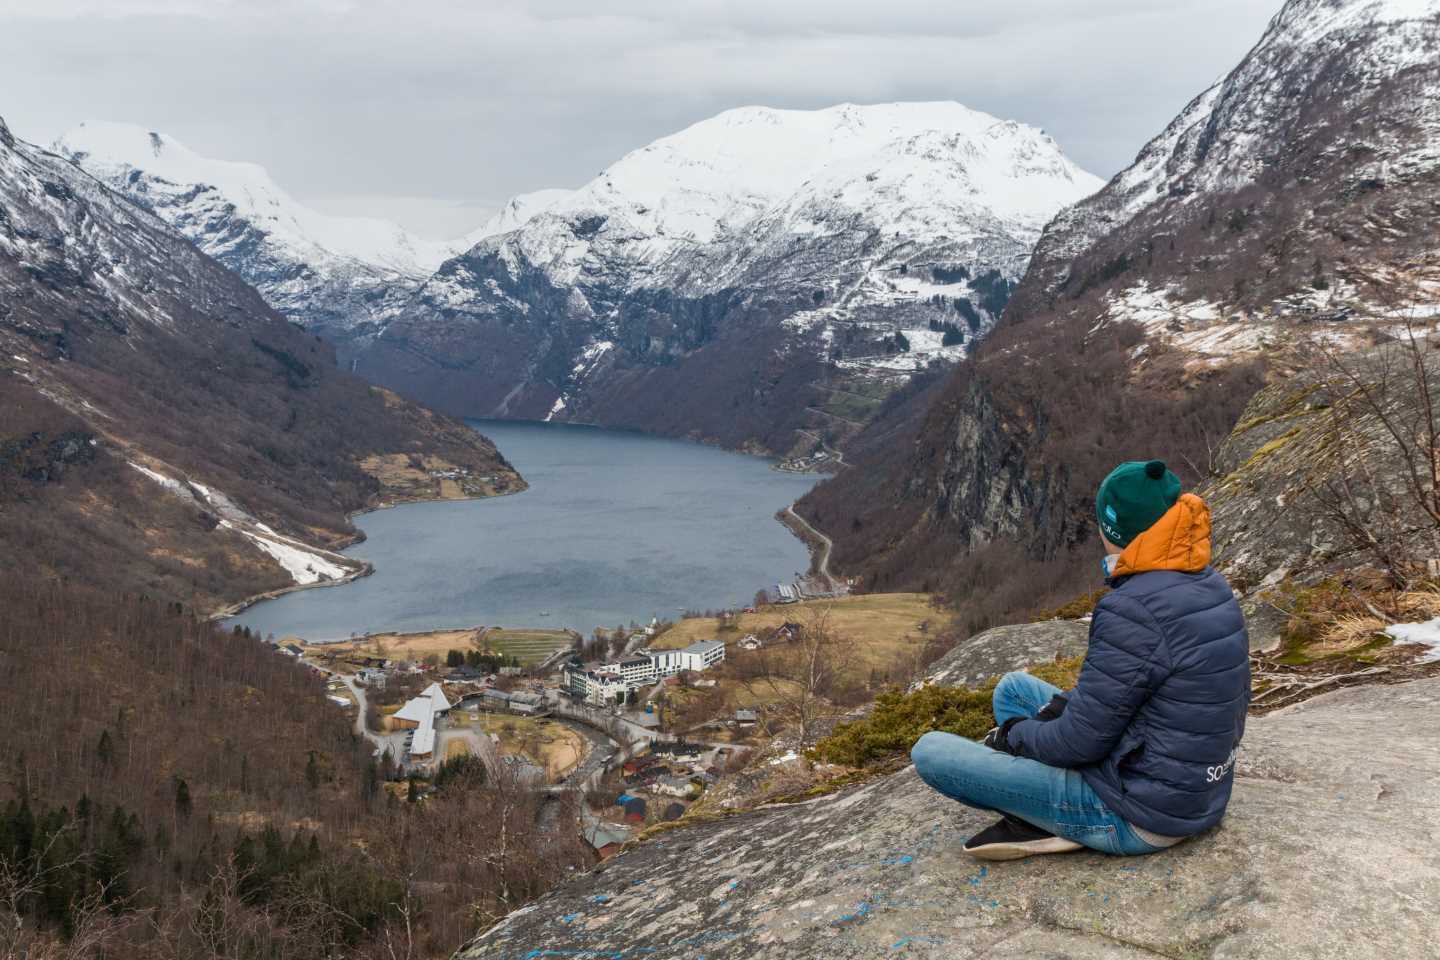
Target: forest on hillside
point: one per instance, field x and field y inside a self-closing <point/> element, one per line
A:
<point x="172" y="789"/>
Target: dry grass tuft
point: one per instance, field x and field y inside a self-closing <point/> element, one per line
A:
<point x="1348" y="632"/>
<point x="1425" y="603"/>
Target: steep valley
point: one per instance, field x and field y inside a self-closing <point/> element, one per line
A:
<point x="162" y="429"/>
<point x="761" y="280"/>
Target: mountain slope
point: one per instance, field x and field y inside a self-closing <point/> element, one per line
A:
<point x="755" y="276"/>
<point x="1302" y="188"/>
<point x="161" y="429"/>
<point x="337" y="275"/>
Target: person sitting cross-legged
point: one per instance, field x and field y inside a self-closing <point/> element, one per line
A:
<point x="1141" y="753"/>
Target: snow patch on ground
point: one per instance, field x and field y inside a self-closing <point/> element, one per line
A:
<point x="168" y="483"/>
<point x="1199" y="326"/>
<point x="556" y="410"/>
<point x="592" y="354"/>
<point x="1427" y="634"/>
<point x="304" y="563"/>
<point x="303" y="566"/>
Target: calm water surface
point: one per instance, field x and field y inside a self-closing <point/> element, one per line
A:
<point x="615" y="527"/>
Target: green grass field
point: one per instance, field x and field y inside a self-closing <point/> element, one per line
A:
<point x="527" y="646"/>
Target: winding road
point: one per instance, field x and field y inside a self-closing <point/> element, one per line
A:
<point x="822" y="566"/>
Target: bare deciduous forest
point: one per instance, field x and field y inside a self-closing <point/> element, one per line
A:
<point x="175" y="790"/>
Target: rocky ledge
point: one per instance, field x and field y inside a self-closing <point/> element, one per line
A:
<point x="1330" y="849"/>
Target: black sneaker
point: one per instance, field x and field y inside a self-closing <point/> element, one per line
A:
<point x="1013" y="839"/>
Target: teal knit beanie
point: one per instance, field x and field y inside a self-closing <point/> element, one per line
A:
<point x="1133" y="497"/>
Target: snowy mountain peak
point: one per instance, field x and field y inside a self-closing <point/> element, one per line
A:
<point x="113" y="151"/>
<point x="1310" y="20"/>
<point x="1350" y="52"/>
<point x="717" y="174"/>
<point x="837" y="250"/>
<point x="514" y="214"/>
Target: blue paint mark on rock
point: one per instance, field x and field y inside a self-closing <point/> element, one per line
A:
<point x="862" y="910"/>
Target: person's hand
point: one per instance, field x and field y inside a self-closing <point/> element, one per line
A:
<point x="1053" y="709"/>
<point x="998" y="737"/>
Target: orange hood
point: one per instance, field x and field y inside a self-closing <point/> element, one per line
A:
<point x="1179" y="540"/>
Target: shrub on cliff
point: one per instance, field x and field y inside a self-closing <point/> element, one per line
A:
<point x="899" y="719"/>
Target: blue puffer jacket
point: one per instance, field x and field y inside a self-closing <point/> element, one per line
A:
<point x="1156" y="718"/>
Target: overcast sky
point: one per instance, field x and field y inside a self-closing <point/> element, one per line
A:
<point x="432" y="112"/>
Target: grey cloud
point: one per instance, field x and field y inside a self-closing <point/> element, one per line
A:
<point x="453" y="103"/>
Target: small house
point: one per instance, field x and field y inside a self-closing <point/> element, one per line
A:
<point x="672" y="786"/>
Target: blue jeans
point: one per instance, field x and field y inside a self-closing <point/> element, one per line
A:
<point x="1051" y="798"/>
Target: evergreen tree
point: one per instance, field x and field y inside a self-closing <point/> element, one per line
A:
<point x="105" y="749"/>
<point x="182" y="797"/>
<point x="370" y="786"/>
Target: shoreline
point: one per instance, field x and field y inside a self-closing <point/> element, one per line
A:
<point x="366" y="567"/>
<point x="816" y="543"/>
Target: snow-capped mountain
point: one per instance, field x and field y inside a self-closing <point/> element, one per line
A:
<point x="738" y="279"/>
<point x="513" y="215"/>
<point x="163" y="430"/>
<point x="1299" y="193"/>
<point x="340" y="275"/>
<point x="1295" y="161"/>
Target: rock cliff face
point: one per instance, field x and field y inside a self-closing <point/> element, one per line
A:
<point x="758" y="274"/>
<point x="164" y="431"/>
<point x="1296" y="192"/>
<point x="1306" y="863"/>
<point x="1318" y="464"/>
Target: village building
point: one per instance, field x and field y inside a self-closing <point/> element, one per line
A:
<point x="671" y="786"/>
<point x="606" y="838"/>
<point x="636" y="671"/>
<point x="600" y="687"/>
<point x="420" y="714"/>
<point x="665" y="663"/>
<point x="678" y="749"/>
<point x="516" y="702"/>
<point x="609" y="684"/>
<point x="702" y="655"/>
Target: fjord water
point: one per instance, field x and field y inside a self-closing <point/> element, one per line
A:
<point x="615" y="527"/>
